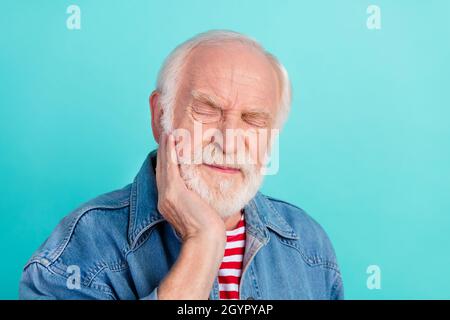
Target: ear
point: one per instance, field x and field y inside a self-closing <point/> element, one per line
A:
<point x="156" y="112"/>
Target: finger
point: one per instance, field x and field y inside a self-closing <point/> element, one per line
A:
<point x="172" y="168"/>
<point x="160" y="157"/>
<point x="170" y="148"/>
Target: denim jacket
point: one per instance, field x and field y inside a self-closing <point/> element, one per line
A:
<point x="118" y="246"/>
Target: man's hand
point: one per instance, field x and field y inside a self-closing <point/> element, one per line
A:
<point x="190" y="215"/>
<point x="201" y="229"/>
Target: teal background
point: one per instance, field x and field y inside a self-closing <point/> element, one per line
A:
<point x="366" y="150"/>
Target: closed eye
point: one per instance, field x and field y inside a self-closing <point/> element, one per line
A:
<point x="258" y="119"/>
<point x="205" y="113"/>
<point x="205" y="109"/>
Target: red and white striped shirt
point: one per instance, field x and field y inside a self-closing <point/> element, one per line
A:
<point x="231" y="267"/>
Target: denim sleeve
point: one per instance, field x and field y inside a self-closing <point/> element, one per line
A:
<point x="337" y="291"/>
<point x="41" y="283"/>
<point x="152" y="296"/>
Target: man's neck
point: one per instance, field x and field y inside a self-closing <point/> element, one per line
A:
<point x="232" y="221"/>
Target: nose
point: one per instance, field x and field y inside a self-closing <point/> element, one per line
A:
<point x="232" y="133"/>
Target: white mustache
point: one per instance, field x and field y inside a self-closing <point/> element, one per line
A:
<point x="213" y="154"/>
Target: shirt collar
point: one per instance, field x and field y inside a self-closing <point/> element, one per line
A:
<point x="260" y="214"/>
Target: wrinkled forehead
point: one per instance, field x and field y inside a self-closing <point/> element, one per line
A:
<point x="236" y="73"/>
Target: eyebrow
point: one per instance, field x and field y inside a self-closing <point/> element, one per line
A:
<point x="258" y="113"/>
<point x="207" y="98"/>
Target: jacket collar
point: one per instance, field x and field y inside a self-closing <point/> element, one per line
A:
<point x="260" y="214"/>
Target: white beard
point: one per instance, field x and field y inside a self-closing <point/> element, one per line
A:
<point x="222" y="197"/>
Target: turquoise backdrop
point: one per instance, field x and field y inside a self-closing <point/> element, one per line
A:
<point x="366" y="150"/>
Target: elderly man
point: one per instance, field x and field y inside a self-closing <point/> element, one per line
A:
<point x="193" y="225"/>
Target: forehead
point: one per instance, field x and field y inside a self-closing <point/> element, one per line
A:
<point x="236" y="74"/>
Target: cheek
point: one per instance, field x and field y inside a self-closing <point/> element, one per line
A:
<point x="191" y="136"/>
<point x="262" y="154"/>
<point x="179" y="118"/>
<point x="258" y="147"/>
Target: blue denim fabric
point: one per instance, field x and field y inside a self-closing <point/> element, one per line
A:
<point x="123" y="248"/>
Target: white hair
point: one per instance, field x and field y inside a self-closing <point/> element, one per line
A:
<point x="171" y="72"/>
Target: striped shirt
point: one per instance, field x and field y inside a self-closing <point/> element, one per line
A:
<point x="231" y="267"/>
